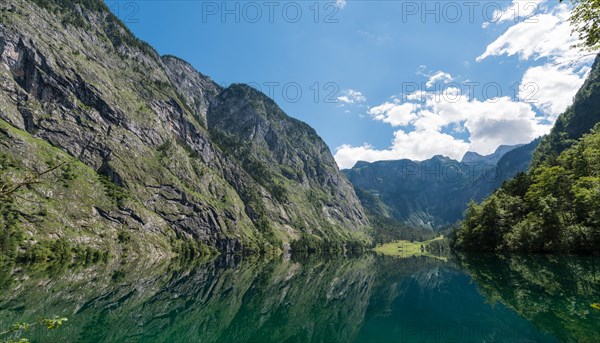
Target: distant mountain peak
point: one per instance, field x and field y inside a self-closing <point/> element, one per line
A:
<point x="503" y="149"/>
<point x="434" y="193"/>
<point x="473" y="157"/>
<point x="359" y="164"/>
<point x="439" y="157"/>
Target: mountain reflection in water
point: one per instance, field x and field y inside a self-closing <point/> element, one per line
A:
<point x="335" y="299"/>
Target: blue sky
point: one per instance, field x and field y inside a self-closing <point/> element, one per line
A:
<point x="384" y="79"/>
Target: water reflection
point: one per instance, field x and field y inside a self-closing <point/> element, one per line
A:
<point x="554" y="292"/>
<point x="221" y="301"/>
<point x="363" y="299"/>
<point x="439" y="303"/>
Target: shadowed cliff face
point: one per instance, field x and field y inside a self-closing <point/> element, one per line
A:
<point x="434" y="193"/>
<point x="74" y="78"/>
<point x="429" y="194"/>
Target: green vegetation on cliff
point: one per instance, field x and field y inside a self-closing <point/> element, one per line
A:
<point x="555" y="207"/>
<point x="37" y="181"/>
<point x="146" y="172"/>
<point x="577" y="120"/>
<point x="293" y="164"/>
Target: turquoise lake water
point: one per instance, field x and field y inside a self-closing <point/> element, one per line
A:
<point x="335" y="299"/>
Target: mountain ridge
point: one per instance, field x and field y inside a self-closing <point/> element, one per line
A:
<point x="430" y="194"/>
<point x="76" y="79"/>
<point x="468" y="157"/>
<point x="492" y="158"/>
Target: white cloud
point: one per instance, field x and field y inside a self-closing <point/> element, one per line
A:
<point x="546" y="90"/>
<point x="394" y="113"/>
<point x="350" y="96"/>
<point x="429" y="120"/>
<point x="544" y="35"/>
<point x="440" y="76"/>
<point x="340" y="3"/>
<point x="551" y="88"/>
<point x="490" y="123"/>
<point x="418" y="95"/>
<point x="415" y="145"/>
<point x="486" y="121"/>
<point x="423" y="144"/>
<point x="518" y="9"/>
<point x="488" y="133"/>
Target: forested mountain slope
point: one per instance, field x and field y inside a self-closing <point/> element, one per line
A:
<point x="576" y="121"/>
<point x="555" y="207"/>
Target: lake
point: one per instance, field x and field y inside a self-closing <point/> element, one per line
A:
<point x="368" y="298"/>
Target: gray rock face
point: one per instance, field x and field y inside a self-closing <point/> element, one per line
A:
<point x="299" y="171"/>
<point x="471" y="156"/>
<point x="73" y="76"/>
<point x="198" y="90"/>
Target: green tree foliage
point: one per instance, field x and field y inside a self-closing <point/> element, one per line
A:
<point x="60" y="252"/>
<point x="188" y="249"/>
<point x="15" y="332"/>
<point x="385" y="228"/>
<point x="553" y="208"/>
<point x="388" y="230"/>
<point x="585" y="20"/>
<point x="577" y="120"/>
<point x="314" y="244"/>
<point x="10" y="235"/>
<point x="113" y="191"/>
<point x="14" y="179"/>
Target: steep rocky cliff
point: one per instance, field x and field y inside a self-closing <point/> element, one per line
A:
<point x="287" y="158"/>
<point x="74" y="80"/>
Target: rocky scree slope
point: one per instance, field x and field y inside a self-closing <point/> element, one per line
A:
<point x="76" y="82"/>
